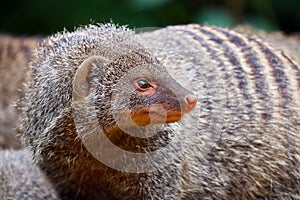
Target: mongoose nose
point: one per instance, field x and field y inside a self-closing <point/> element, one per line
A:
<point x="190" y="102"/>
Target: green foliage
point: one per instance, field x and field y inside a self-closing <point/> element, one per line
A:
<point x="146" y="4"/>
<point x="215" y="16"/>
<point x="48" y="16"/>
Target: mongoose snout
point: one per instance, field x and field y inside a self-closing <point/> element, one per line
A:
<point x="190" y="103"/>
<point x="160" y="103"/>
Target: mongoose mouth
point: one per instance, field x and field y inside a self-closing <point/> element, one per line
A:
<point x="160" y="114"/>
<point x="144" y="117"/>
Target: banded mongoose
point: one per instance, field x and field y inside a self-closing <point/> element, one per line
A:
<point x="240" y="142"/>
<point x="20" y="179"/>
<point x="15" y="53"/>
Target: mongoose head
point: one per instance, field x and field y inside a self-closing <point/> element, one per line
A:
<point x="132" y="90"/>
<point x="120" y="82"/>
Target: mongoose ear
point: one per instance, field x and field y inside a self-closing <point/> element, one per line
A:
<point x="83" y="77"/>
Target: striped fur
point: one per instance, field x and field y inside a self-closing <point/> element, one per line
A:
<point x="254" y="132"/>
<point x="260" y="71"/>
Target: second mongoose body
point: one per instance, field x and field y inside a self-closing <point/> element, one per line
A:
<point x="15" y="53"/>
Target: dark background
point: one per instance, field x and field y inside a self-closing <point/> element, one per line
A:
<point x="43" y="17"/>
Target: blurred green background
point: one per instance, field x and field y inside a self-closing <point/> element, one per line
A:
<point x="30" y="17"/>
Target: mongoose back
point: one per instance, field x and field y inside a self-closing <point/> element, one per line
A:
<point x="248" y="147"/>
<point x="239" y="142"/>
<point x="289" y="44"/>
<point x="15" y="54"/>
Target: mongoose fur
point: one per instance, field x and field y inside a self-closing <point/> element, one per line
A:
<point x="289" y="44"/>
<point x="244" y="144"/>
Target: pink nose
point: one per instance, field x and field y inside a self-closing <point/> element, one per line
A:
<point x="190" y="102"/>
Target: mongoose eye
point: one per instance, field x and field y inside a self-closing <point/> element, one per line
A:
<point x="143" y="85"/>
